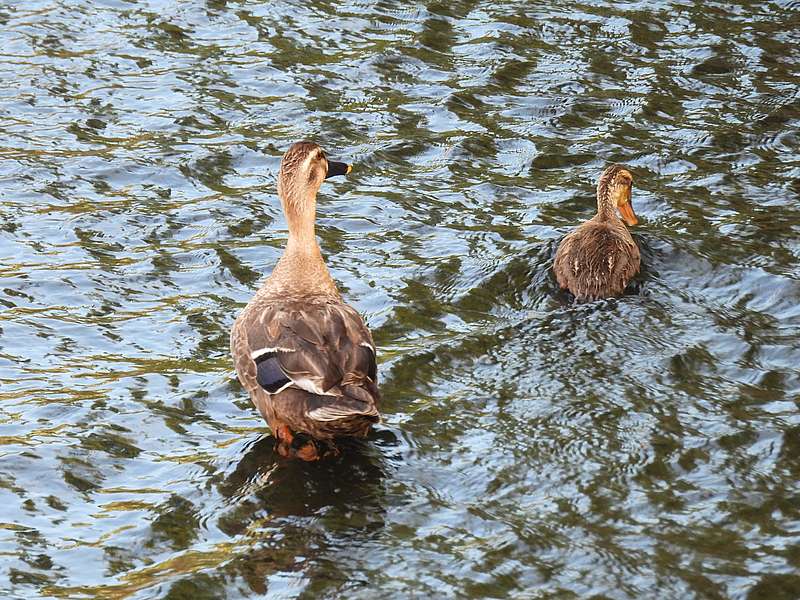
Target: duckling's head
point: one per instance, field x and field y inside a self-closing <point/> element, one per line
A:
<point x="303" y="169"/>
<point x="614" y="190"/>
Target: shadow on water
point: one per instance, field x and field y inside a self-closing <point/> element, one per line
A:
<point x="292" y="487"/>
<point x="297" y="520"/>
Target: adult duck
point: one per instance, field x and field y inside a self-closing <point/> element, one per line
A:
<point x="599" y="258"/>
<point x="305" y="357"/>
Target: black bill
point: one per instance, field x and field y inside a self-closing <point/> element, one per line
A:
<point x="337" y="168"/>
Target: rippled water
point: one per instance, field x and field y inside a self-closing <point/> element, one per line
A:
<point x="641" y="447"/>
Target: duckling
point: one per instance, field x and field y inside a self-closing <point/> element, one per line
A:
<point x="305" y="357"/>
<point x="599" y="258"/>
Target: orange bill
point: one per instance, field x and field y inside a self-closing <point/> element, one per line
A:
<point x="626" y="210"/>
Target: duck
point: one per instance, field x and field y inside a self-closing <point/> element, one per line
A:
<point x="305" y="357"/>
<point x="600" y="257"/>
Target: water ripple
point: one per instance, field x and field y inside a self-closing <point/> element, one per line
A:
<point x="530" y="447"/>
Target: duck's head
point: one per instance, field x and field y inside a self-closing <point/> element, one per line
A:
<point x="614" y="190"/>
<point x="303" y="169"/>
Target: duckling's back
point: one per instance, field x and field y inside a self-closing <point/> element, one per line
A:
<point x="597" y="260"/>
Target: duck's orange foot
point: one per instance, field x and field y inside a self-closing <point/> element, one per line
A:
<point x="284" y="439"/>
<point x="299" y="446"/>
<point x="283" y="434"/>
<point x="308" y="452"/>
<point x="307" y="448"/>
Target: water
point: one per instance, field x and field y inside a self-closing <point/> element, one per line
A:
<point x="634" y="448"/>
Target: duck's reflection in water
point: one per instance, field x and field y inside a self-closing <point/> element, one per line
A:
<point x="305" y="519"/>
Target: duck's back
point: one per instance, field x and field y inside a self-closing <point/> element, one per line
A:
<point x="307" y="362"/>
<point x="597" y="260"/>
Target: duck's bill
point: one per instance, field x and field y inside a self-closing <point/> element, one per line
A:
<point x="337" y="168"/>
<point x="626" y="210"/>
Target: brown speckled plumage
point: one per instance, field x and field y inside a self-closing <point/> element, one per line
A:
<point x="599" y="258"/>
<point x="316" y="342"/>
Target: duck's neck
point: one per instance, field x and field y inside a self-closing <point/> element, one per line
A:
<point x="301" y="270"/>
<point x="301" y="213"/>
<point x="606" y="208"/>
<point x="302" y="237"/>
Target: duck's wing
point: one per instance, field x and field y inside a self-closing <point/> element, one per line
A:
<point x="596" y="261"/>
<point x="322" y="348"/>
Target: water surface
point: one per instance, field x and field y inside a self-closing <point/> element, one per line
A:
<point x="634" y="448"/>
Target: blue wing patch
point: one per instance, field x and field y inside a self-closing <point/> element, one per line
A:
<point x="269" y="374"/>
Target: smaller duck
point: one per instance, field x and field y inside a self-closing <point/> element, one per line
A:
<point x="305" y="357"/>
<point x="599" y="258"/>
